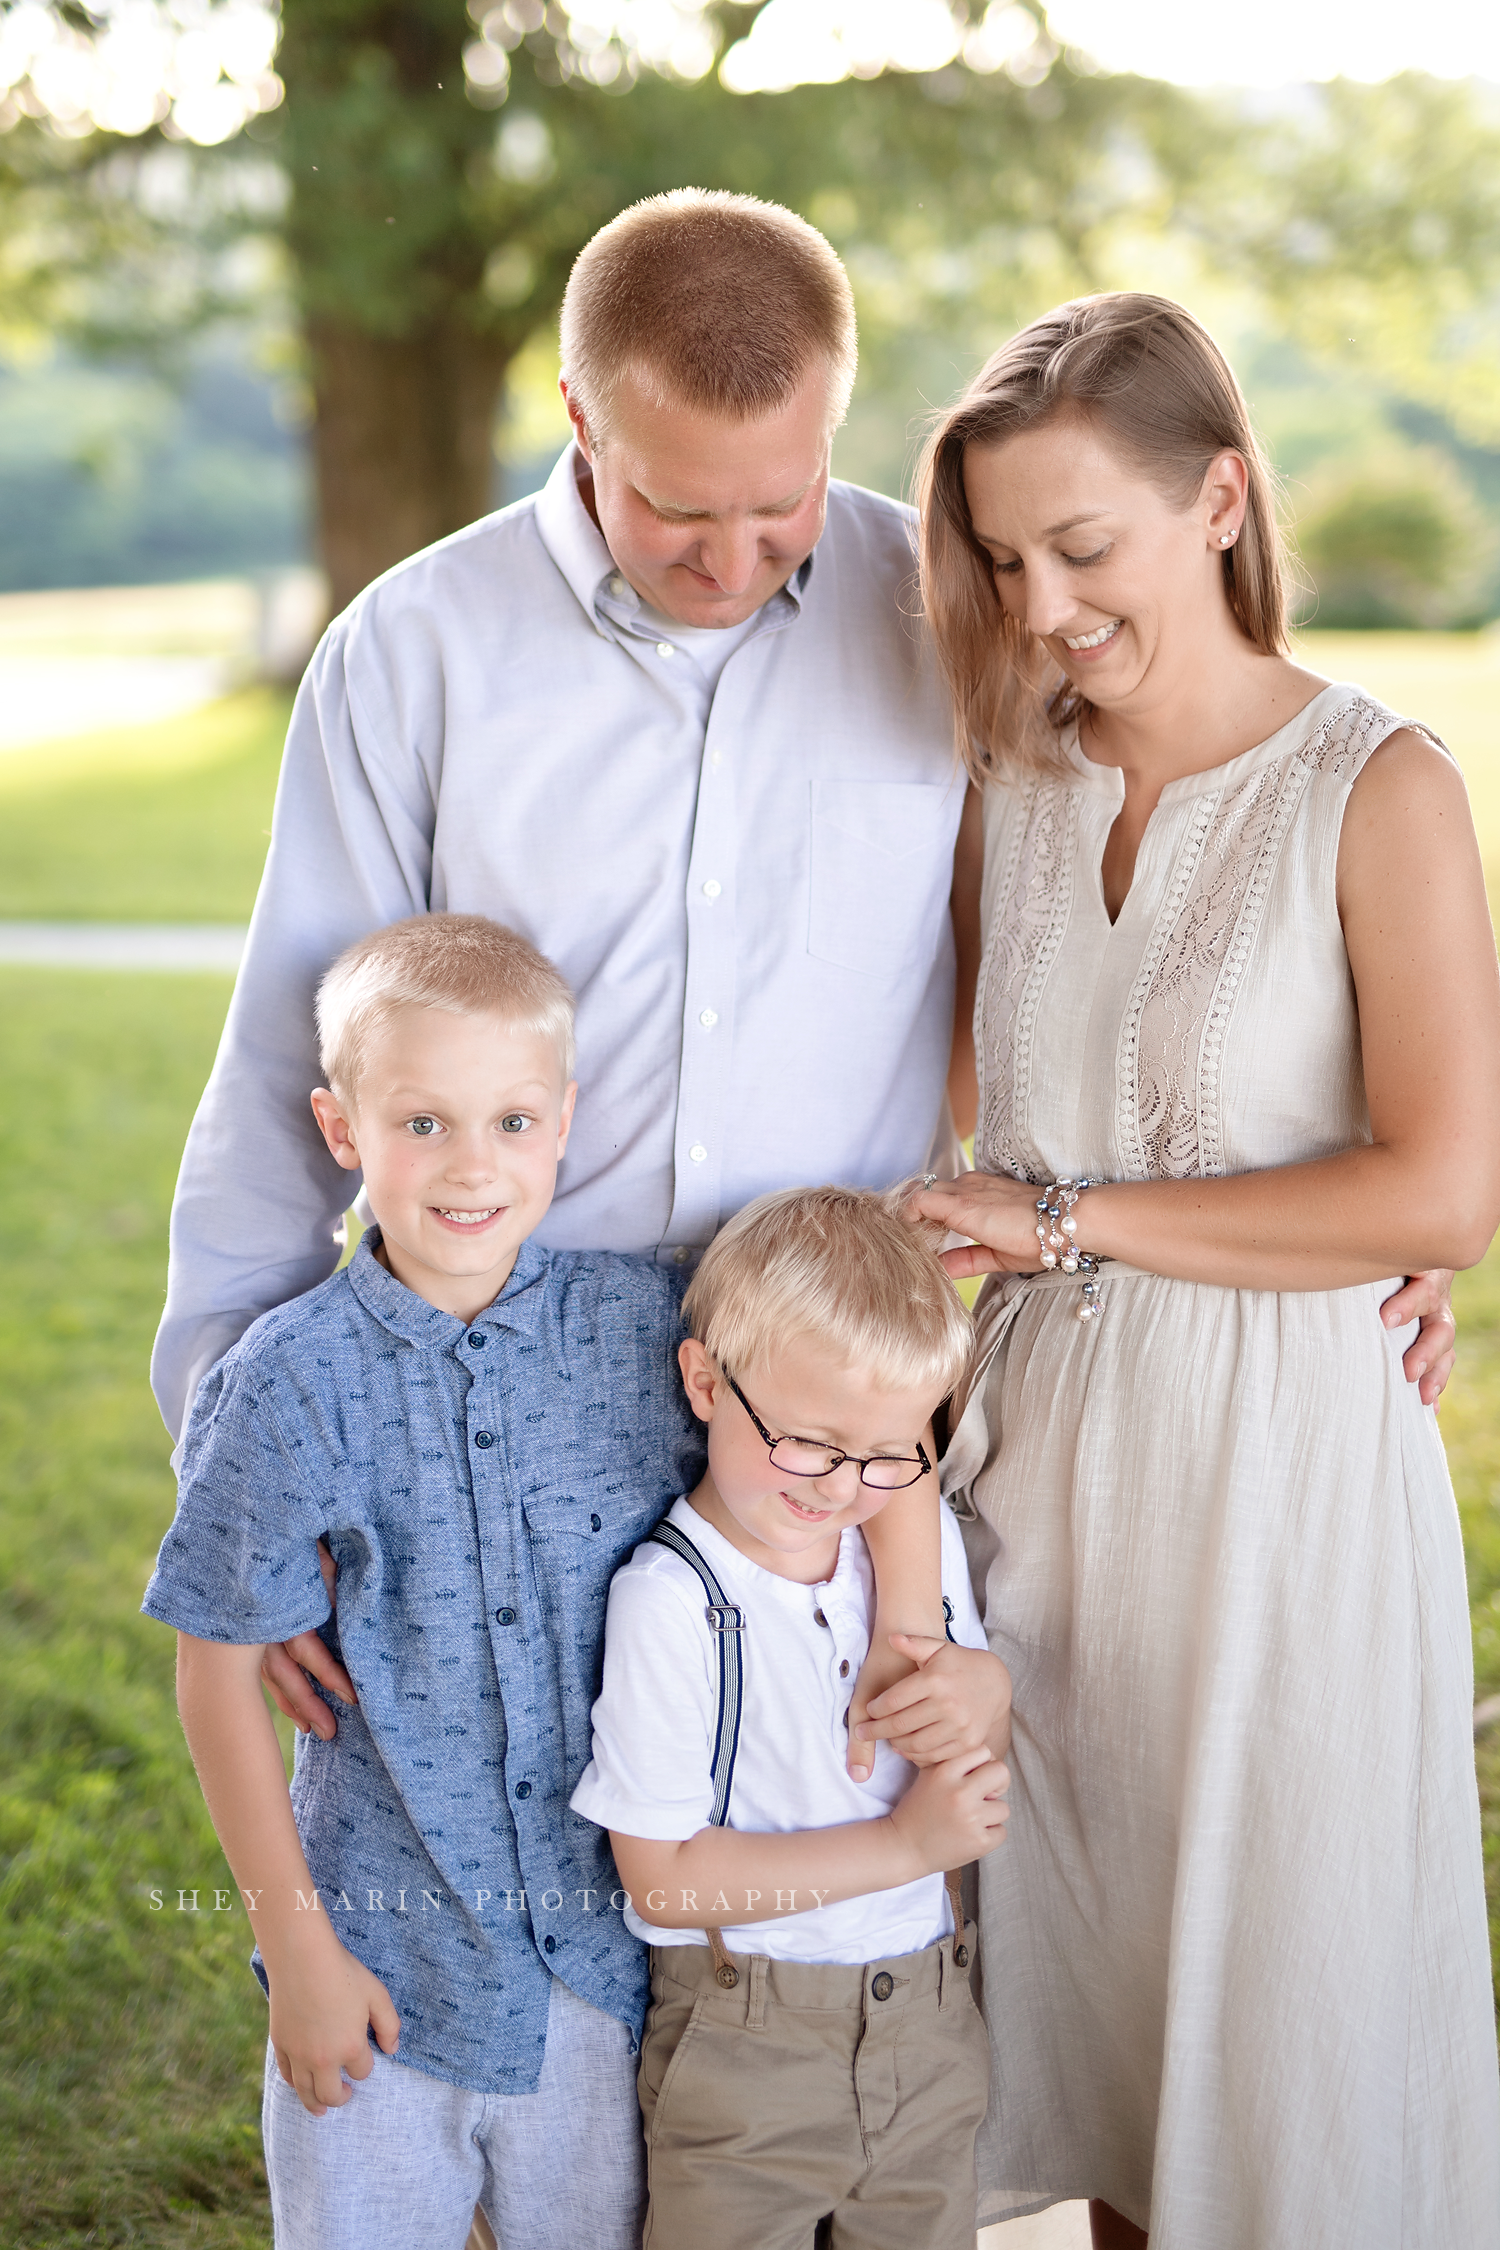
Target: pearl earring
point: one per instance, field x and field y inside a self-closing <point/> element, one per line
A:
<point x="1223" y="539"/>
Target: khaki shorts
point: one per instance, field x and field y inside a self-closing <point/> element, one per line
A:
<point x="808" y="2090"/>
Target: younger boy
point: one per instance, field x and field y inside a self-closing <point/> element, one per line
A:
<point x="812" y="2047"/>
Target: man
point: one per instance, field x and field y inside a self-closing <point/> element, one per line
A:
<point x="672" y="720"/>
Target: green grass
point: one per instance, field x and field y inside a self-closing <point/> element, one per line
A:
<point x="131" y="2038"/>
<point x="164" y="823"/>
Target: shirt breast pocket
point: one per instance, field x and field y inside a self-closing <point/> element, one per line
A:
<point x="880" y="872"/>
<point x="594" y="1526"/>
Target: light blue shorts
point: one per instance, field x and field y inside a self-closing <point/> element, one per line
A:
<point x="403" y="2163"/>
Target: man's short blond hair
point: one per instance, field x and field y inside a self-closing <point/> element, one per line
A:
<point x="835" y="1267"/>
<point x="710" y="300"/>
<point x="462" y="963"/>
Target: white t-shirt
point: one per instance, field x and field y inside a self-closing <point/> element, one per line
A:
<point x="709" y="646"/>
<point x="801" y="1650"/>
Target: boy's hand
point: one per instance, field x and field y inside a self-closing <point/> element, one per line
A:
<point x="955" y="1811"/>
<point x="285" y="1664"/>
<point x="956" y="1700"/>
<point x="882" y="1668"/>
<point x="322" y="2003"/>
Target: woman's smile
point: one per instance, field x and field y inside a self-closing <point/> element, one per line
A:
<point x="1087" y="642"/>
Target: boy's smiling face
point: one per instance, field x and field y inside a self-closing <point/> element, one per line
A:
<point x="458" y="1123"/>
<point x="790" y="1525"/>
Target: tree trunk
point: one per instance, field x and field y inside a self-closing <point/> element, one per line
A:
<point x="402" y="442"/>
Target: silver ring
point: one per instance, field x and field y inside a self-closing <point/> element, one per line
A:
<point x="929" y="1179"/>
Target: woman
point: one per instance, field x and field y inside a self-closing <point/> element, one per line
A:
<point x="1237" y="970"/>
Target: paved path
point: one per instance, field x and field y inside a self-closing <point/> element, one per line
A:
<point x="51" y="697"/>
<point x="122" y="945"/>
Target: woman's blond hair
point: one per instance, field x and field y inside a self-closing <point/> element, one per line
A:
<point x="838" y="1268"/>
<point x="1148" y="376"/>
<point x="464" y="964"/>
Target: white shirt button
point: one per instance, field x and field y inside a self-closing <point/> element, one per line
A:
<point x="681" y="1254"/>
<point x="665" y="648"/>
<point x="619" y="587"/>
<point x="698" y="1153"/>
<point x="711" y="889"/>
<point x="716" y="757"/>
<point x="708" y="1017"/>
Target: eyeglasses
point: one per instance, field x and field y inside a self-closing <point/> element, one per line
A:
<point x="805" y="1457"/>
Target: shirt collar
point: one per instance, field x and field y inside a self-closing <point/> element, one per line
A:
<point x="577" y="546"/>
<point x="405" y="1314"/>
<point x="572" y="538"/>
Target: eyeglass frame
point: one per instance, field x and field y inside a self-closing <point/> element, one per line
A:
<point x="861" y="1461"/>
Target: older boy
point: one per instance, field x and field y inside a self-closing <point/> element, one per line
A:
<point x="812" y="2046"/>
<point x="480" y="1430"/>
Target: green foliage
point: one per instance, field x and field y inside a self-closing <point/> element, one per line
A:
<point x="1373" y="231"/>
<point x="130" y="245"/>
<point x="1393" y="539"/>
<point x="154" y="823"/>
<point x="407" y="197"/>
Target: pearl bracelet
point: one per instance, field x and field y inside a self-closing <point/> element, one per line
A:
<point x="1057" y="1232"/>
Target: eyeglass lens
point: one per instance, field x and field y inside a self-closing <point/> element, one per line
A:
<point x="799" y="1459"/>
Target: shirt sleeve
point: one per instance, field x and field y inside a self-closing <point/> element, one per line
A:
<point x="968" y="1625"/>
<point x="239" y="1563"/>
<point x="259" y="1196"/>
<point x="651" y="1773"/>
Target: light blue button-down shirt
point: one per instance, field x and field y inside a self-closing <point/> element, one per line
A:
<point x="478" y="1484"/>
<point x="746" y="885"/>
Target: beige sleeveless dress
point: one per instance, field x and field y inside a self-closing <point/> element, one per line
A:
<point x="1235" y="1959"/>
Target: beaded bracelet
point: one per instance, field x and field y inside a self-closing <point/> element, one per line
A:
<point x="1057" y="1232"/>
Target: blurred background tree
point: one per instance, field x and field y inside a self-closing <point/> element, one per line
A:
<point x="371" y="238"/>
<point x="1394" y="539"/>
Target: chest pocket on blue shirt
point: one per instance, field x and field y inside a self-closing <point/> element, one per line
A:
<point x="606" y="1524"/>
<point x="880" y="872"/>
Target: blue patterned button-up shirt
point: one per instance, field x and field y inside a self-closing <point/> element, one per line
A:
<point x="478" y="1487"/>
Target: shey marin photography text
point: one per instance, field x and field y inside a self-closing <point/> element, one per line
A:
<point x="380" y="1901"/>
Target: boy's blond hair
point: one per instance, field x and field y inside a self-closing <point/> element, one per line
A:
<point x="462" y="963"/>
<point x="837" y="1267"/>
<point x="711" y="300"/>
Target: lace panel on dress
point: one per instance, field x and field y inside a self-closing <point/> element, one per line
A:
<point x="1033" y="900"/>
<point x="1169" y="1082"/>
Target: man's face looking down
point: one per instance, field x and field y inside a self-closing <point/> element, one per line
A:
<point x="708" y="518"/>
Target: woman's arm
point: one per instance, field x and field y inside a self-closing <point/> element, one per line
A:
<point x="322" y="1999"/>
<point x="1426" y="1192"/>
<point x="952" y="1813"/>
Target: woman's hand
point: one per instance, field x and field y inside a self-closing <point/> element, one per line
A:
<point x="997" y="1211"/>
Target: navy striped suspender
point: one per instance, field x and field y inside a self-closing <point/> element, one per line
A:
<point x="726" y="1621"/>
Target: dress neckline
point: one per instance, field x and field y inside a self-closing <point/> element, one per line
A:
<point x="1109" y="781"/>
